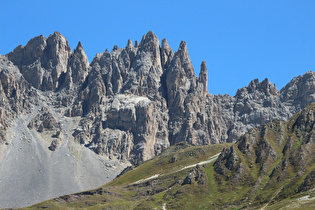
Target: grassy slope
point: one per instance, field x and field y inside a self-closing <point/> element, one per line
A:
<point x="167" y="188"/>
<point x="273" y="188"/>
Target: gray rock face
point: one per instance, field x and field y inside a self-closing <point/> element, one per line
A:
<point x="45" y="62"/>
<point x="186" y="99"/>
<point x="43" y="120"/>
<point x="258" y="104"/>
<point x="195" y="175"/>
<point x="133" y="102"/>
<point x="16" y="95"/>
<point x="299" y="92"/>
<point x="149" y="96"/>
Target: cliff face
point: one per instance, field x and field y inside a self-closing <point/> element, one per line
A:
<point x="47" y="63"/>
<point x="16" y="96"/>
<point x="131" y="103"/>
<point x="138" y="100"/>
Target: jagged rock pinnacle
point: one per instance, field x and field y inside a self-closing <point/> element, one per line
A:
<point x="56" y="33"/>
<point x="78" y="65"/>
<point x="203" y="76"/>
<point x="149" y="37"/>
<point x="79" y="45"/>
<point x="265" y="86"/>
<point x="164" y="43"/>
<point x="143" y="38"/>
<point x="183" y="49"/>
<point x="166" y="54"/>
<point x="115" y="48"/>
<point x="184" y="58"/>
<point x="129" y="44"/>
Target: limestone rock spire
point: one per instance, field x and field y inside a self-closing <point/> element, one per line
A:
<point x="167" y="54"/>
<point x="79" y="64"/>
<point x="203" y="77"/>
<point x="129" y="44"/>
<point x="183" y="55"/>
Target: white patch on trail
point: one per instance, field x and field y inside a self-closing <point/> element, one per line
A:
<point x="147" y="179"/>
<point x="305" y="198"/>
<point x="213" y="158"/>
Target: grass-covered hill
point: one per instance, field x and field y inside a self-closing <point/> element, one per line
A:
<point x="270" y="167"/>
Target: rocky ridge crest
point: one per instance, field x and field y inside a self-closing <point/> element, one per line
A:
<point x="138" y="100"/>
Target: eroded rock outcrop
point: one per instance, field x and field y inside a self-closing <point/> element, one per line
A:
<point x="43" y="120"/>
<point x="276" y="152"/>
<point x="196" y="175"/>
<point x="44" y="62"/>
<point x="16" y="95"/>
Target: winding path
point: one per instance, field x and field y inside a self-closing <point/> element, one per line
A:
<point x="211" y="159"/>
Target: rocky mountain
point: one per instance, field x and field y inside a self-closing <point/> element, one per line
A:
<point x="274" y="161"/>
<point x="269" y="167"/>
<point x="126" y="106"/>
<point x="39" y="158"/>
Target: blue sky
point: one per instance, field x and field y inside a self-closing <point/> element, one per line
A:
<point x="240" y="40"/>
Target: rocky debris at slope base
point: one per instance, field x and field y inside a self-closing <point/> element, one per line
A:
<point x="109" y="95"/>
<point x="43" y="120"/>
<point x="43" y="161"/>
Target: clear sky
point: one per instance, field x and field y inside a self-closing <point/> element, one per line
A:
<point x="240" y="40"/>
